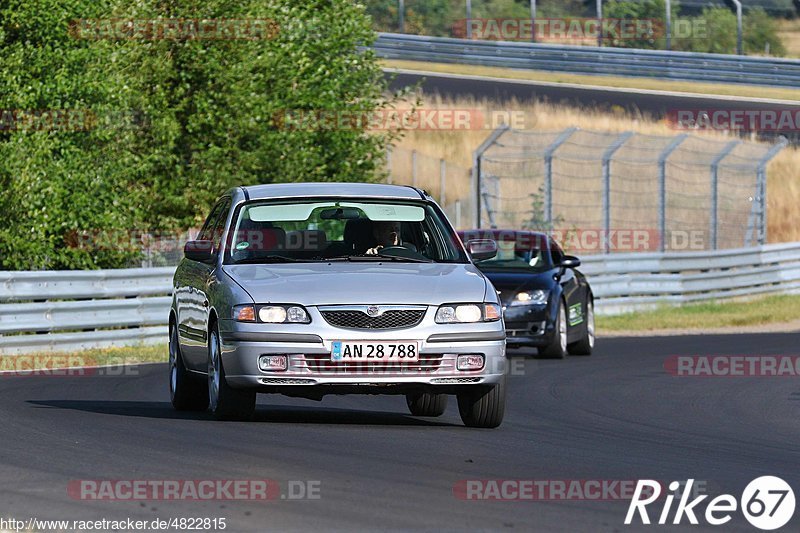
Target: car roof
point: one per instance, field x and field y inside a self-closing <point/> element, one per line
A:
<point x="369" y="190"/>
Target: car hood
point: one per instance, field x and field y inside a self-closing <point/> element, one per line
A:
<point x="509" y="283"/>
<point x="360" y="283"/>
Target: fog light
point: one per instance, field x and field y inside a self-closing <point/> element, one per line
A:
<point x="469" y="362"/>
<point x="273" y="363"/>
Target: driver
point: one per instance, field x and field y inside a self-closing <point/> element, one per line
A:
<point x="386" y="233"/>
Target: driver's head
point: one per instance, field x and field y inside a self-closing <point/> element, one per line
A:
<point x="387" y="233"/>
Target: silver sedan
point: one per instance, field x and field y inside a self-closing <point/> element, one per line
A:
<point x="335" y="288"/>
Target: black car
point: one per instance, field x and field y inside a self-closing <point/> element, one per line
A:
<point x="547" y="302"/>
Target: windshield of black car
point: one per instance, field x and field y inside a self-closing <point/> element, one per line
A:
<point x="512" y="258"/>
<point x="311" y="230"/>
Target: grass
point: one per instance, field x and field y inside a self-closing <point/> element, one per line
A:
<point x="117" y="356"/>
<point x="751" y="91"/>
<point x="456" y="147"/>
<point x="755" y="312"/>
<point x="789" y="32"/>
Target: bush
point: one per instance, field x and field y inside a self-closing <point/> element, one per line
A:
<point x="759" y="29"/>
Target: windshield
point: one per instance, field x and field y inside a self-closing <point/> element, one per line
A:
<point x="311" y="230"/>
<point x="511" y="257"/>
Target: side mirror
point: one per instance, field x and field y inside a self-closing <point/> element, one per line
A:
<point x="570" y="261"/>
<point x="202" y="251"/>
<point x="482" y="249"/>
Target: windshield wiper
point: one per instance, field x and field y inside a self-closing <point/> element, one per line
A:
<point x="266" y="259"/>
<point x="383" y="257"/>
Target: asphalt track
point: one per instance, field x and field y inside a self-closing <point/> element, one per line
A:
<point x="617" y="415"/>
<point x="657" y="104"/>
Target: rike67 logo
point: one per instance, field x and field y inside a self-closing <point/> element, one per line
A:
<point x="767" y="503"/>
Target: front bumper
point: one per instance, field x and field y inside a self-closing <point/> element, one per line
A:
<point x="309" y="347"/>
<point x="529" y="325"/>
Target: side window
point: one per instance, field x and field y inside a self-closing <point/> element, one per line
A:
<point x="208" y="226"/>
<point x="219" y="224"/>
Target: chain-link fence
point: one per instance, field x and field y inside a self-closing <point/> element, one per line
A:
<point x="603" y="191"/>
<point x="444" y="180"/>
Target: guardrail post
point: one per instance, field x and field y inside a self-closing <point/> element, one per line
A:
<point x="761" y="187"/>
<point x="476" y="171"/>
<point x="662" y="187"/>
<point x="548" y="173"/>
<point x="533" y="21"/>
<point x="616" y="145"/>
<point x="715" y="189"/>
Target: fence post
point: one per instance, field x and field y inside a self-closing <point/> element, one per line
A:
<point x="442" y="181"/>
<point x="738" y="5"/>
<point x="476" y="171"/>
<point x="414" y="168"/>
<point x="389" y="164"/>
<point x="401" y="15"/>
<point x="761" y="187"/>
<point x="715" y="188"/>
<point x="662" y="187"/>
<point x="599" y="22"/>
<point x="616" y="145"/>
<point x="548" y="173"/>
<point x="469" y="19"/>
<point x="668" y="24"/>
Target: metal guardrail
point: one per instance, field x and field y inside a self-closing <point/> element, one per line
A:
<point x="642" y="281"/>
<point x="71" y="310"/>
<point x="682" y="66"/>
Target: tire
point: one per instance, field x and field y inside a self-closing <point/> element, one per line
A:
<point x="558" y="346"/>
<point x="426" y="404"/>
<point x="483" y="407"/>
<point x="586" y="344"/>
<point x="225" y="402"/>
<point x="186" y="392"/>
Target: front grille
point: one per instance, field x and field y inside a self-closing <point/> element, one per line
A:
<point x="428" y="363"/>
<point x="394" y="319"/>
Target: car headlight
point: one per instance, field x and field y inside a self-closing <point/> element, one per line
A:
<point x="468" y="313"/>
<point x="535" y="297"/>
<point x="271" y="314"/>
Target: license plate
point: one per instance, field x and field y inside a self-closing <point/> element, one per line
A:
<point x="357" y="351"/>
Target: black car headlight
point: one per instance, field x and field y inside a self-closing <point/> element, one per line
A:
<point x="533" y="297"/>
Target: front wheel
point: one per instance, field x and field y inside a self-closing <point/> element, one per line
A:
<point x="483" y="407"/>
<point x="586" y="344"/>
<point x="426" y="404"/>
<point x="225" y="402"/>
<point x="558" y="346"/>
<point x="186" y="392"/>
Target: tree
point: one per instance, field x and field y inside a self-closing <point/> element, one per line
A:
<point x="214" y="114"/>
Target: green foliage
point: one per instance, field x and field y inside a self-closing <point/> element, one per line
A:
<point x="653" y="11"/>
<point x="212" y="110"/>
<point x="761" y="30"/>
